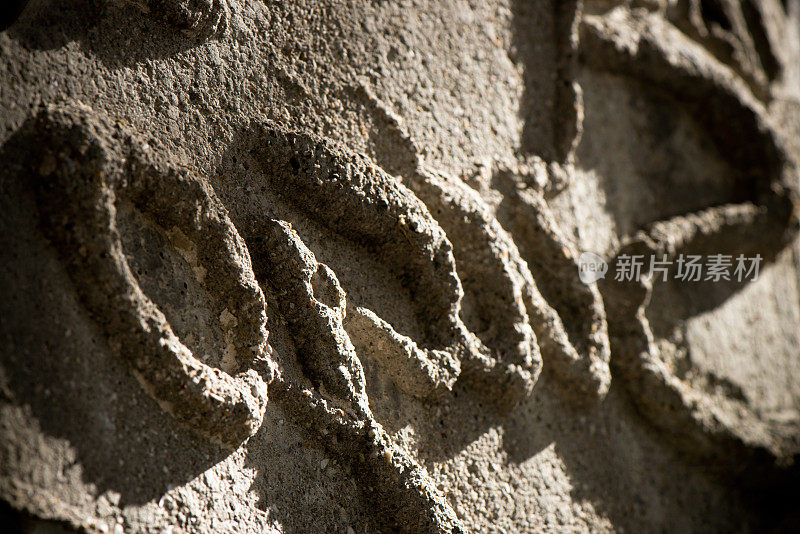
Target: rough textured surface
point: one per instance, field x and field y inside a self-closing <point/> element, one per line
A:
<point x="398" y="192"/>
<point x="82" y="171"/>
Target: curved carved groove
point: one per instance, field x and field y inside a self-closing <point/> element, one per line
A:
<point x="656" y="53"/>
<point x="315" y="309"/>
<point x="508" y="364"/>
<point x="722" y="27"/>
<point x="416" y="371"/>
<point x="686" y="405"/>
<point x="336" y="415"/>
<point x="570" y="318"/>
<point x="349" y="194"/>
<point x="485" y="251"/>
<point x="314" y="305"/>
<point x="83" y="165"/>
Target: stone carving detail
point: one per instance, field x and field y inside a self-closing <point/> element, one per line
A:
<point x="83" y="167"/>
<point x="570" y="317"/>
<point x="443" y="240"/>
<point x="525" y="323"/>
<point x="353" y="197"/>
<point x="404" y="497"/>
<point x="347" y="193"/>
<point x="702" y="412"/>
<point x="480" y="290"/>
<point x="735" y="33"/>
<point x="314" y="306"/>
<point x="350" y="194"/>
<point x="508" y="282"/>
<point x="507" y="360"/>
<point x="336" y="412"/>
<point x="356" y="199"/>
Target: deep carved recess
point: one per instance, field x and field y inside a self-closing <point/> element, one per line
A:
<point x="352" y="196"/>
<point x="349" y="194"/>
<point x="81" y="166"/>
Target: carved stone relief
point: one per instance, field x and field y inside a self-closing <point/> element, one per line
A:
<point x="485" y="298"/>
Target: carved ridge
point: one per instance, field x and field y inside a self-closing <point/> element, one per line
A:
<point x="83" y="165"/>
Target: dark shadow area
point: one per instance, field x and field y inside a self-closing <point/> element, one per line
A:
<point x="292" y="474"/>
<point x="674" y="302"/>
<point x="368" y="281"/>
<point x="630" y="475"/>
<point x="655" y="163"/>
<point x="756" y="25"/>
<point x="601" y="470"/>
<point x="116" y="33"/>
<point x="244" y="185"/>
<point x="10" y="11"/>
<point x="14" y="521"/>
<point x="534" y="45"/>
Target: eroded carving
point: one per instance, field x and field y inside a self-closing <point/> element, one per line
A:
<point x="404" y="496"/>
<point x="568" y="316"/>
<point x="336" y="414"/>
<point x="352" y="196"/>
<point x="314" y="306"/>
<point x="347" y="193"/>
<point x="735" y="32"/>
<point x="82" y="165"/>
<point x="645" y="47"/>
<point x="506" y="362"/>
<point x="399" y="356"/>
<point x="444" y="240"/>
<point x="704" y="414"/>
<point x="517" y="321"/>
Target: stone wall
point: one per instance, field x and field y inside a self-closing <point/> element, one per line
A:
<point x="324" y="266"/>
